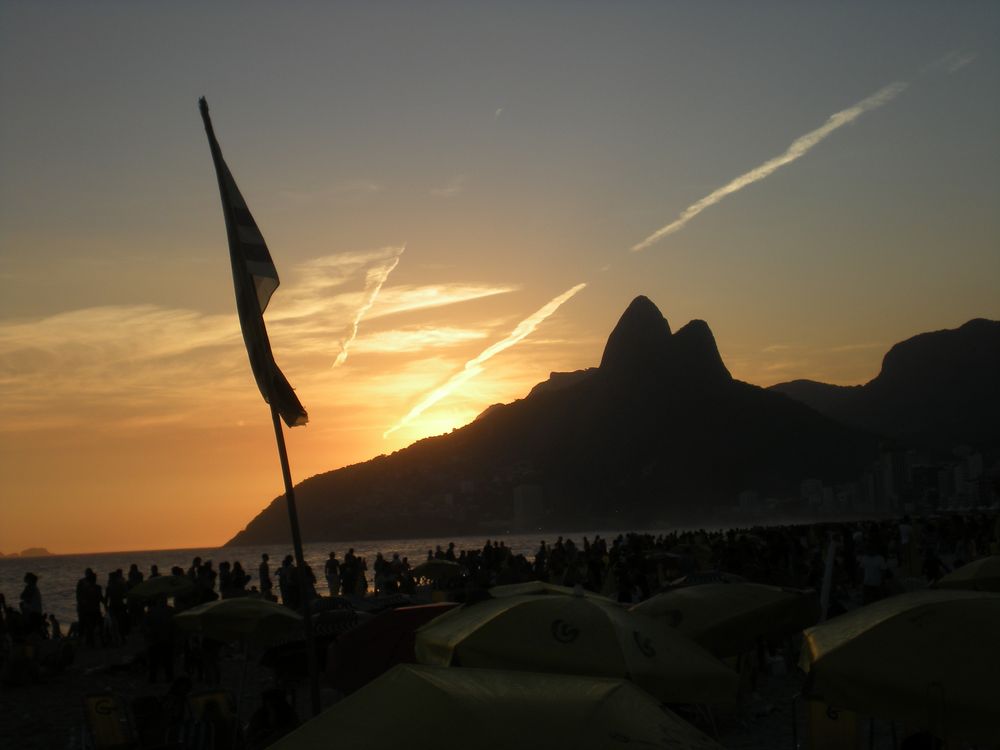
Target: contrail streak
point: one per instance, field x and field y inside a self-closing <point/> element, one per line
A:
<point x="799" y="147"/>
<point x="474" y="366"/>
<point x="374" y="280"/>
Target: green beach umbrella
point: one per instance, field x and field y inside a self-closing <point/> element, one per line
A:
<point x="929" y="658"/>
<point x="576" y="635"/>
<point x="981" y="575"/>
<point x="728" y="618"/>
<point x="420" y="707"/>
<point x="242" y="619"/>
<point x="541" y="588"/>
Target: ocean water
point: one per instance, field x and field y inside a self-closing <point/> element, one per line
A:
<point x="58" y="574"/>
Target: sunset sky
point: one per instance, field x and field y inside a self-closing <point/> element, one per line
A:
<point x="460" y="198"/>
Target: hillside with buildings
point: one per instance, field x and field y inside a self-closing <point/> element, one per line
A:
<point x="658" y="434"/>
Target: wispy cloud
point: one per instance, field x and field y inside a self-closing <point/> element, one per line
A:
<point x="119" y="361"/>
<point x="784" y="366"/>
<point x="496" y="115"/>
<point x="798" y="148"/>
<point x="132" y="365"/>
<point x="858" y="347"/>
<point x="374" y="280"/>
<point x="953" y="61"/>
<point x="403" y="299"/>
<point x="322" y="293"/>
<point x="409" y="340"/>
<point x="450" y="189"/>
<point x="475" y="365"/>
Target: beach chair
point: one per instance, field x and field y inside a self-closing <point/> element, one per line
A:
<point x="108" y="724"/>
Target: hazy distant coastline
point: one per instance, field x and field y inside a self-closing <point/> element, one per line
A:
<point x="29" y="552"/>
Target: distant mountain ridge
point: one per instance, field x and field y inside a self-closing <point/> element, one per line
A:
<point x="935" y="389"/>
<point x="659" y="432"/>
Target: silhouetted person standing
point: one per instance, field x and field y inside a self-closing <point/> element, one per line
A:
<point x="31" y="605"/>
<point x="332" y="572"/>
<point x="264" y="577"/>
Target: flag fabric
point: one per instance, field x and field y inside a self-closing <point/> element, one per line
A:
<point x="255" y="278"/>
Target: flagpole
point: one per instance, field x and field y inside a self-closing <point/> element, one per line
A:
<point x="250" y="306"/>
<point x="300" y="563"/>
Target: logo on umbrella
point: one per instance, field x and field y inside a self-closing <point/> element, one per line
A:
<point x="563" y="632"/>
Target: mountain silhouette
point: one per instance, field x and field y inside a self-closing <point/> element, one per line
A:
<point x="659" y="433"/>
<point x="935" y="390"/>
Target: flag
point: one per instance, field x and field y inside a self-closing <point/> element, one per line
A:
<point x="255" y="278"/>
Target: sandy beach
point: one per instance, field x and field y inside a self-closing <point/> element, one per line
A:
<point x="49" y="715"/>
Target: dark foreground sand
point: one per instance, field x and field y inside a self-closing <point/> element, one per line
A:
<point x="49" y="714"/>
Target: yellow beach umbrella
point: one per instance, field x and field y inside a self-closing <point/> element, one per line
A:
<point x="981" y="575"/>
<point x="576" y="635"/>
<point x="245" y="618"/>
<point x="931" y="658"/>
<point x="728" y="618"/>
<point x="541" y="588"/>
<point x="421" y="707"/>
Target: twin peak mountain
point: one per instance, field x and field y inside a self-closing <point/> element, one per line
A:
<point x="659" y="434"/>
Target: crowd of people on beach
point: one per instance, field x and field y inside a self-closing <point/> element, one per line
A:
<point x="870" y="560"/>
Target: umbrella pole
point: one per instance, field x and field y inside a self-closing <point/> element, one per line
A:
<point x="795" y="723"/>
<point x="239" y="694"/>
<point x="300" y="563"/>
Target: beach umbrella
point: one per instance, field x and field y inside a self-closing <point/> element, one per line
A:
<point x="981" y="575"/>
<point x="706" y="576"/>
<point x="424" y="708"/>
<point x="700" y="553"/>
<point x="436" y="569"/>
<point x="375" y="646"/>
<point x="576" y="635"/>
<point x="929" y="658"/>
<point x="157" y="586"/>
<point x="243" y="619"/>
<point x="728" y="618"/>
<point x="661" y="555"/>
<point x="541" y="588"/>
